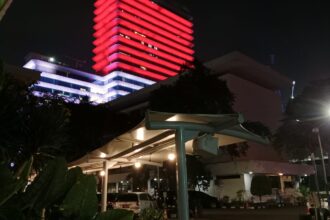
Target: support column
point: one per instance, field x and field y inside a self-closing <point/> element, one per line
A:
<point x="104" y="196"/>
<point x="181" y="175"/>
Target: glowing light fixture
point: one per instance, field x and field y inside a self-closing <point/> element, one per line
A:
<point x="328" y="111"/>
<point x="51" y="59"/>
<point x="102" y="173"/>
<point x="140" y="134"/>
<point x="103" y="155"/>
<point x="171" y="156"/>
<point x="137" y="165"/>
<point x="280" y="174"/>
<point x="250" y="172"/>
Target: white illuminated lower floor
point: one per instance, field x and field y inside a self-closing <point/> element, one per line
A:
<point x="75" y="85"/>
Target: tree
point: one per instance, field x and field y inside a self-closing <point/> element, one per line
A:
<point x="294" y="137"/>
<point x="29" y="125"/>
<point x="91" y="126"/>
<point x="260" y="186"/>
<point x="12" y="98"/>
<point x="197" y="174"/>
<point x="196" y="92"/>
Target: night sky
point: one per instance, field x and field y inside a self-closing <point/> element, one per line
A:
<point x="297" y="33"/>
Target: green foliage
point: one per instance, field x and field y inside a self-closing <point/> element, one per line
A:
<point x="47" y="187"/>
<point x="197" y="174"/>
<point x="240" y="195"/>
<point x="11" y="184"/>
<point x="81" y="201"/>
<point x="56" y="193"/>
<point x="152" y="214"/>
<point x="12" y="99"/>
<point x="260" y="185"/>
<point x="116" y="214"/>
<point x="294" y="137"/>
<point x="304" y="190"/>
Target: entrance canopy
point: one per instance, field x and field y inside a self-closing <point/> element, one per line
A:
<point x="147" y="146"/>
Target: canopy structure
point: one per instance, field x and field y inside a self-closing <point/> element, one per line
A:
<point x="151" y="146"/>
<point x="159" y="134"/>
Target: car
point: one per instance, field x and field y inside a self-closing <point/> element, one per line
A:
<point x="135" y="201"/>
<point x="111" y="197"/>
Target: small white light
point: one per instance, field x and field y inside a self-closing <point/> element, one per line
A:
<point x="297" y="120"/>
<point x="293" y="82"/>
<point x="305" y="174"/>
<point x="102" y="173"/>
<point x="171" y="156"/>
<point x="51" y="59"/>
<point x="140" y="134"/>
<point x="103" y="155"/>
<point x="280" y="174"/>
<point x="137" y="165"/>
<point x="12" y="164"/>
<point x="250" y="172"/>
<point x="328" y="111"/>
<point x="155" y="179"/>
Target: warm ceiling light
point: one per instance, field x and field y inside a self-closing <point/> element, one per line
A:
<point x="171" y="156"/>
<point x="102" y="173"/>
<point x="140" y="134"/>
<point x="137" y="165"/>
<point x="280" y="174"/>
<point x="103" y="155"/>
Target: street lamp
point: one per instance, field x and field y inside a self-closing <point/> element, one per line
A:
<point x="317" y="131"/>
<point x="328" y="111"/>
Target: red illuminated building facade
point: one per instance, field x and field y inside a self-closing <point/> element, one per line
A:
<point x="141" y="38"/>
<point x="137" y="43"/>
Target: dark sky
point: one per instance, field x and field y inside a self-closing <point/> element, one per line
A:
<point x="296" y="32"/>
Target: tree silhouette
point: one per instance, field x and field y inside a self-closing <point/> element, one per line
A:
<point x="303" y="113"/>
<point x="260" y="186"/>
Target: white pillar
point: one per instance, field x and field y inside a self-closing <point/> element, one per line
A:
<point x="104" y="192"/>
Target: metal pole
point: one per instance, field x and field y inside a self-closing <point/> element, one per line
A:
<point x="317" y="187"/>
<point x="317" y="131"/>
<point x="104" y="192"/>
<point x="158" y="180"/>
<point x="181" y="175"/>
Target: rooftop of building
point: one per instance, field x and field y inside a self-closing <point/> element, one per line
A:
<point x="234" y="63"/>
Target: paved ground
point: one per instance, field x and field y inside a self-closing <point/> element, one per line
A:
<point x="287" y="213"/>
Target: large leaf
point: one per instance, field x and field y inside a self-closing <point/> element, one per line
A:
<point x="10" y="213"/>
<point x="116" y="214"/>
<point x="10" y="184"/>
<point x="72" y="176"/>
<point x="81" y="201"/>
<point x="48" y="186"/>
<point x="56" y="187"/>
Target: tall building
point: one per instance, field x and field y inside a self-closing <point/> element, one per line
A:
<point x="137" y="43"/>
<point x="140" y="38"/>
